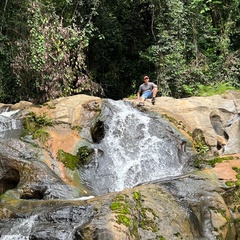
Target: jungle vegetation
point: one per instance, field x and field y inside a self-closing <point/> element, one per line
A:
<point x="52" y="48"/>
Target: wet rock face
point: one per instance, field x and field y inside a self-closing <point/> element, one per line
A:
<point x="22" y="176"/>
<point x="48" y="222"/>
<point x="129" y="145"/>
<point x="200" y="195"/>
<point x="9" y="177"/>
<point x="97" y="131"/>
<point x="190" y="207"/>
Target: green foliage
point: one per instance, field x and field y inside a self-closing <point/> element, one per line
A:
<point x="114" y="59"/>
<point x="236" y="169"/>
<point x="193" y="46"/>
<point x="202" y="162"/>
<point x="84" y="154"/>
<point x="230" y="183"/>
<point x="215" y="160"/>
<point x="59" y="48"/>
<point x="132" y="96"/>
<point x="35" y="125"/>
<point x="54" y="55"/>
<point x="210" y="90"/>
<point x="200" y="145"/>
<point x="189" y="90"/>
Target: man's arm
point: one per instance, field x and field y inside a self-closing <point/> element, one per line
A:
<point x="154" y="86"/>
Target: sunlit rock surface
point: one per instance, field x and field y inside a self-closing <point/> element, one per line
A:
<point x="216" y="117"/>
<point x="41" y="198"/>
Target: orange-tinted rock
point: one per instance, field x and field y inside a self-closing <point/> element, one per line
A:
<point x="224" y="170"/>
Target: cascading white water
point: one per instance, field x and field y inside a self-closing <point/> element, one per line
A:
<point x="8" y="123"/>
<point x="21" y="230"/>
<point x="136" y="148"/>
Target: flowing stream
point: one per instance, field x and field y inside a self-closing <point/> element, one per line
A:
<point x="136" y="148"/>
<point x="9" y="126"/>
<point x="21" y="230"/>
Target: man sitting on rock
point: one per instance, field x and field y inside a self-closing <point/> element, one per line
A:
<point x="147" y="90"/>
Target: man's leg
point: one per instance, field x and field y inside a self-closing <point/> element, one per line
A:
<point x="155" y="90"/>
<point x="154" y="95"/>
<point x="144" y="97"/>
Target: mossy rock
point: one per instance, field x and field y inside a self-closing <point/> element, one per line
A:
<point x="35" y="125"/>
<point x="73" y="161"/>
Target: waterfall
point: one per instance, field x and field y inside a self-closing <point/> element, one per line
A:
<point x="21" y="230"/>
<point x="8" y="124"/>
<point x="137" y="148"/>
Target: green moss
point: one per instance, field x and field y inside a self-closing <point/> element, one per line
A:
<point x="123" y="210"/>
<point x="234" y="183"/>
<point x="215" y="160"/>
<point x="123" y="206"/>
<point x="201" y="162"/>
<point x="78" y="128"/>
<point x="201" y="147"/>
<point x="148" y="224"/>
<point x="236" y="169"/>
<point x="121" y="197"/>
<point x="136" y="196"/>
<point x="237" y="183"/>
<point x="70" y="161"/>
<point x="178" y="124"/>
<point x="50" y="105"/>
<point x="230" y="183"/>
<point x="160" y="238"/>
<point x="35" y="125"/>
<point x="134" y="230"/>
<point x="237" y="220"/>
<point x="120" y="207"/>
<point x="41" y="134"/>
<point x="123" y="219"/>
<point x="219" y="210"/>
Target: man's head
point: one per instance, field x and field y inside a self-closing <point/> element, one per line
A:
<point x="146" y="79"/>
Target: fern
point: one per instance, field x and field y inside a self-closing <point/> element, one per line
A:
<point x="210" y="90"/>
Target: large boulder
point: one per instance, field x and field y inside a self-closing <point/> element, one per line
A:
<point x="30" y="169"/>
<point x="216" y="118"/>
<point x="185" y="207"/>
<point x="161" y="210"/>
<point x="24" y="176"/>
<point x="74" y="110"/>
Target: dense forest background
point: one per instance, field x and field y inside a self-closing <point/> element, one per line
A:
<point x="52" y="48"/>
